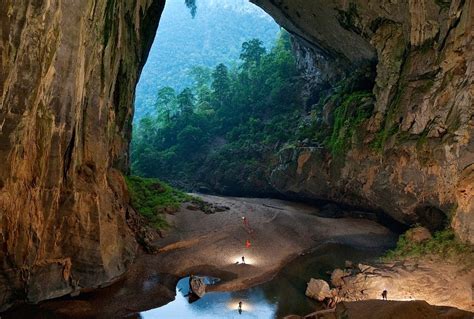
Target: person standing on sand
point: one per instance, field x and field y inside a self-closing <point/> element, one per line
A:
<point x="246" y="222"/>
<point x="384" y="295"/>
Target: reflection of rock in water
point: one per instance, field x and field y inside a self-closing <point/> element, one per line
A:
<point x="197" y="285"/>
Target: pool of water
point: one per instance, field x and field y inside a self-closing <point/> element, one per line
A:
<point x="147" y="296"/>
<point x="277" y="298"/>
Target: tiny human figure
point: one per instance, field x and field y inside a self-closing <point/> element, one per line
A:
<point x="246" y="222"/>
<point x="247" y="244"/>
<point x="384" y="295"/>
<point x="243" y="260"/>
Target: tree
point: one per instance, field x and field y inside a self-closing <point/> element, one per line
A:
<point x="191" y="4"/>
<point x="252" y="52"/>
<point x="201" y="76"/>
<point x="166" y="103"/>
<point x="186" y="101"/>
<point x="221" y="85"/>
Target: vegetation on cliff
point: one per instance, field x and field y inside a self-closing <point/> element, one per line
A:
<point x="334" y="122"/>
<point x="443" y="245"/>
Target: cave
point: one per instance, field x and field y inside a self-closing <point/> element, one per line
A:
<point x="68" y="73"/>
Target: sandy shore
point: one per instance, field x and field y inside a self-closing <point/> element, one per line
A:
<point x="279" y="231"/>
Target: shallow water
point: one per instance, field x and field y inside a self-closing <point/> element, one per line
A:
<point x="281" y="296"/>
<point x="275" y="299"/>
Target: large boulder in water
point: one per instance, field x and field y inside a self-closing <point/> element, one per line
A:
<point x="318" y="289"/>
<point x="198" y="287"/>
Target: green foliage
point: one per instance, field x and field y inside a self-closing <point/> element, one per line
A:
<point x="215" y="35"/>
<point x="226" y="122"/>
<point x="443" y="245"/>
<point x="151" y="198"/>
<point x="348" y="116"/>
<point x="390" y="125"/>
<point x="351" y="104"/>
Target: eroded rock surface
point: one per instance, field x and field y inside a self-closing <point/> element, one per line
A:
<point x="67" y="75"/>
<point x="415" y="153"/>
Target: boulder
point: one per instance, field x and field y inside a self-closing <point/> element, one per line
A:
<point x="418" y="235"/>
<point x="337" y="277"/>
<point x="198" y="287"/>
<point x="318" y="289"/>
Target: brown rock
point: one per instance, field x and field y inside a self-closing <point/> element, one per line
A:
<point x="337" y="277"/>
<point x="418" y="234"/>
<point x="67" y="76"/>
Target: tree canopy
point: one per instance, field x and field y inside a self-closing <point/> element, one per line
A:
<point x="226" y="121"/>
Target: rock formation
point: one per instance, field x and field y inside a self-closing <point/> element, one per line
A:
<point x="414" y="156"/>
<point x="68" y="70"/>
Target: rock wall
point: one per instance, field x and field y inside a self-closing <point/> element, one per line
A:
<point x="414" y="157"/>
<point x="68" y="71"/>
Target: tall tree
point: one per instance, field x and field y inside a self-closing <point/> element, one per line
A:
<point x="252" y="52"/>
<point x="166" y="103"/>
<point x="186" y="101"/>
<point x="221" y="85"/>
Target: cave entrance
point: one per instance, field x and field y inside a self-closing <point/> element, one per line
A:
<point x="209" y="81"/>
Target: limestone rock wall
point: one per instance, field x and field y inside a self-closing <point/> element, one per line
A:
<point x="68" y="71"/>
<point x="423" y="119"/>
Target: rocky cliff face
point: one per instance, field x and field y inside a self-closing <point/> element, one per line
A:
<point x="67" y="77"/>
<point x="68" y="70"/>
<point x="414" y="157"/>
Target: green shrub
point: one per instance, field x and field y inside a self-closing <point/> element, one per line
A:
<point x="443" y="245"/>
<point x="151" y="198"/>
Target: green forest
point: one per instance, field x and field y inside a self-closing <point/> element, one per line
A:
<point x="226" y="122"/>
<point x="213" y="36"/>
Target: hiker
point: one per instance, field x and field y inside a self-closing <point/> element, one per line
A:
<point x="240" y="307"/>
<point x="384" y="295"/>
<point x="243" y="260"/>
<point x="246" y="222"/>
<point x="247" y="244"/>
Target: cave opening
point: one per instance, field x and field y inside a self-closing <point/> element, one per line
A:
<point x="198" y="94"/>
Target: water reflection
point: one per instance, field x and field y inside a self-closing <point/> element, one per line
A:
<point x="281" y="296"/>
<point x="215" y="305"/>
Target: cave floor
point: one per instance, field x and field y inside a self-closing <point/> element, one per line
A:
<point x="277" y="231"/>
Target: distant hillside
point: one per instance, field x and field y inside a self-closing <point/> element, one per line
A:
<point x="215" y="35"/>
